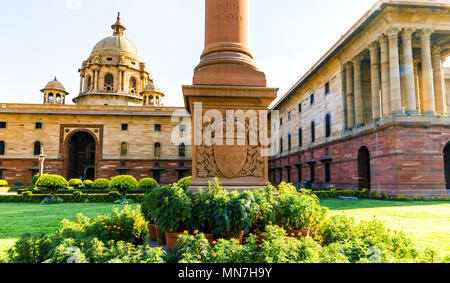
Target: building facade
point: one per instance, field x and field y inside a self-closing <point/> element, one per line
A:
<point x="117" y="126"/>
<point x="373" y="112"/>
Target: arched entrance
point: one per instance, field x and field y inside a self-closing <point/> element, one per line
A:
<point x="447" y="165"/>
<point x="81" y="156"/>
<point x="364" y="168"/>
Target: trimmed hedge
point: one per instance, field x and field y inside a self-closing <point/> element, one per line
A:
<point x="3" y="183"/>
<point x="71" y="198"/>
<point x="376" y="196"/>
<point x="101" y="184"/>
<point x="148" y="184"/>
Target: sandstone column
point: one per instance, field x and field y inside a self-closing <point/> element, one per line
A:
<point x="411" y="106"/>
<point x="375" y="79"/>
<point x="385" y="77"/>
<point x="394" y="70"/>
<point x="350" y="96"/>
<point x="427" y="73"/>
<point x="81" y="83"/>
<point x="417" y="85"/>
<point x="359" y="106"/>
<point x="226" y="81"/>
<point x="439" y="82"/>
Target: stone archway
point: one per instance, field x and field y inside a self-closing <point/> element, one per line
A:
<point x="447" y="165"/>
<point x="81" y="155"/>
<point x="364" y="168"/>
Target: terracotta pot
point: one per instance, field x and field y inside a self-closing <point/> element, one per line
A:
<point x="237" y="236"/>
<point x="210" y="238"/>
<point x="172" y="239"/>
<point x="160" y="236"/>
<point x="298" y="233"/>
<point x="152" y="232"/>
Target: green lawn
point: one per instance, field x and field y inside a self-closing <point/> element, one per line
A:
<point x="427" y="223"/>
<point x="18" y="218"/>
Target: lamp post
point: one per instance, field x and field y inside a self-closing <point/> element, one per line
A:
<point x="42" y="157"/>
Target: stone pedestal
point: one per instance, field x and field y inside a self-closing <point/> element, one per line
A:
<point x="228" y="102"/>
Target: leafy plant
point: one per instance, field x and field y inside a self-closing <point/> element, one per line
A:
<point x="33" y="248"/>
<point x="101" y="184"/>
<point x="267" y="201"/>
<point x="87" y="184"/>
<point x="52" y="183"/>
<point x="184" y="183"/>
<point x="243" y="210"/>
<point x="3" y="183"/>
<point x="123" y="184"/>
<point x="76" y="183"/>
<point x="34" y="179"/>
<point x="148" y="184"/>
<point x="173" y="211"/>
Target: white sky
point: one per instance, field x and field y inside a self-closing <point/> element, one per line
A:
<point x="47" y="38"/>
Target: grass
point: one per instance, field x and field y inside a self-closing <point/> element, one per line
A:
<point x="427" y="223"/>
<point x="18" y="218"/>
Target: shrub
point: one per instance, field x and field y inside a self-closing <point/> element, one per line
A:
<point x="19" y="184"/>
<point x="243" y="210"/>
<point x="101" y="184"/>
<point x="146" y="209"/>
<point x="184" y="183"/>
<point x="3" y="183"/>
<point x="33" y="249"/>
<point x="267" y="201"/>
<point x="174" y="210"/>
<point x="87" y="184"/>
<point x="75" y="183"/>
<point x="34" y="179"/>
<point x="337" y="228"/>
<point x="148" y="184"/>
<point x="124" y="183"/>
<point x="52" y="183"/>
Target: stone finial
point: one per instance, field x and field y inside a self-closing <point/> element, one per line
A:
<point x="118" y="27"/>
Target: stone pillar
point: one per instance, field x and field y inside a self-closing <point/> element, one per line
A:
<point x="427" y="73"/>
<point x="375" y="79"/>
<point x="350" y="96"/>
<point x="359" y="106"/>
<point x="81" y="83"/>
<point x="411" y="106"/>
<point x="394" y="70"/>
<point x="95" y="80"/>
<point x="417" y="85"/>
<point x="385" y="77"/>
<point x="439" y="82"/>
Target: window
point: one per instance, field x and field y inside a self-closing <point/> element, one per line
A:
<point x="124" y="127"/>
<point x="38" y="126"/>
<point x="300" y="108"/>
<point x="327" y="88"/>
<point x="327" y="172"/>
<point x="289" y="116"/>
<point x="312" y="98"/>
<point x="281" y="146"/>
<point x="313" y="131"/>
<point x="157" y="150"/>
<point x="328" y="125"/>
<point x="89" y="83"/>
<point x="289" y="142"/>
<point x="58" y="98"/>
<point x="281" y="122"/>
<point x="133" y="85"/>
<point x="157" y="176"/>
<point x="288" y="169"/>
<point x="50" y="98"/>
<point x="124" y="149"/>
<point x="158" y="128"/>
<point x="37" y="148"/>
<point x="182" y="150"/>
<point x="109" y="82"/>
<point x="299" y="174"/>
<point x="313" y="172"/>
<point x="2" y="148"/>
<point x="109" y="59"/>
<point x="300" y="137"/>
<point x="2" y="125"/>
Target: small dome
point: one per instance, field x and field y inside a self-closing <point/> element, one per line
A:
<point x="54" y="85"/>
<point x="151" y="87"/>
<point x="116" y="45"/>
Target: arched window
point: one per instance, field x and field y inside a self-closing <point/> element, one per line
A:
<point x="109" y="82"/>
<point x="313" y="131"/>
<point x="89" y="83"/>
<point x="58" y="98"/>
<point x="50" y="98"/>
<point x="182" y="150"/>
<point x="37" y="148"/>
<point x="133" y="85"/>
<point x="300" y="137"/>
<point x="2" y="148"/>
<point x="157" y="150"/>
<point x="152" y="100"/>
<point x="328" y="125"/>
<point x="124" y="149"/>
<point x="289" y="142"/>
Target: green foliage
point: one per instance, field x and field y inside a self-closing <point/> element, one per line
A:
<point x="33" y="249"/>
<point x="184" y="183"/>
<point x="29" y="197"/>
<point x="34" y="179"/>
<point x="243" y="210"/>
<point x="19" y="184"/>
<point x="124" y="183"/>
<point x="101" y="184"/>
<point x="52" y="183"/>
<point x="148" y="184"/>
<point x="126" y="225"/>
<point x="267" y="201"/>
<point x="3" y="183"/>
<point x="75" y="183"/>
<point x="172" y="210"/>
<point x="285" y="189"/>
<point x="88" y="184"/>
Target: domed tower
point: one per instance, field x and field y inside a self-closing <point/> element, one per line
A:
<point x="54" y="93"/>
<point x="152" y="95"/>
<point x="114" y="73"/>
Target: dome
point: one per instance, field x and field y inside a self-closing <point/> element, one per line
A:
<point x="116" y="45"/>
<point x="54" y="85"/>
<point x="151" y="87"/>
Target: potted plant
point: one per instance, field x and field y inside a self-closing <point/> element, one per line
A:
<point x="52" y="183"/>
<point x="173" y="213"/>
<point x="299" y="213"/>
<point x="147" y="213"/>
<point x="123" y="184"/>
<point x="267" y="201"/>
<point x="242" y="210"/>
<point x="154" y="200"/>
